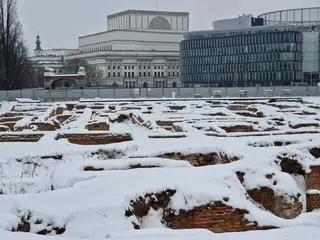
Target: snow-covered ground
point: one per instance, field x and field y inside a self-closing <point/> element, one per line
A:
<point x="86" y="189"/>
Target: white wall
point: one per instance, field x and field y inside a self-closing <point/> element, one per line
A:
<point x="233" y="23"/>
<point x="143" y="20"/>
<point x="133" y="40"/>
<point x="311" y="52"/>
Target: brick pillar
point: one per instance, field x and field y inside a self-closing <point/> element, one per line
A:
<point x="313" y="188"/>
<point x="313" y="200"/>
<point x="313" y="178"/>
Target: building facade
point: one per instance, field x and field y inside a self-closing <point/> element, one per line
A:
<point x="139" y="49"/>
<point x="281" y="54"/>
<point x="47" y="60"/>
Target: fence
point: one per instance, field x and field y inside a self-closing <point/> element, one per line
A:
<point x="124" y="93"/>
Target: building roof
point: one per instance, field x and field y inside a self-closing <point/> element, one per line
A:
<point x="186" y="14"/>
<point x="242" y="31"/>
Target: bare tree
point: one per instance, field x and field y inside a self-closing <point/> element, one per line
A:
<point x="14" y="63"/>
<point x="92" y="72"/>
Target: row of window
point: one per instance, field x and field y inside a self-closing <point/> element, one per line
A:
<point x="155" y="74"/>
<point x="248" y="78"/>
<point x="97" y="49"/>
<point x="157" y="84"/>
<point x="144" y="74"/>
<point x="240" y="39"/>
<point x="235" y="68"/>
<point x="263" y="48"/>
<point x="141" y="67"/>
<point x="252" y="58"/>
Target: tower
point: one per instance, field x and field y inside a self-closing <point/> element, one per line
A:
<point x="38" y="46"/>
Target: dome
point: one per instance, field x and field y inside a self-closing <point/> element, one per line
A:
<point x="159" y="23"/>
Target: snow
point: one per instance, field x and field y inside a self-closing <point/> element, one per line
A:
<point x="296" y="233"/>
<point x="27" y="100"/>
<point x="92" y="204"/>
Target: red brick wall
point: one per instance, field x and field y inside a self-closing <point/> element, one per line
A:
<point x="313" y="178"/>
<point x="95" y="139"/>
<point x="313" y="202"/>
<point x="264" y="196"/>
<point x="276" y="204"/>
<point x="216" y="217"/>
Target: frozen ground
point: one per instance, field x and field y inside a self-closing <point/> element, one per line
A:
<point x="86" y="189"/>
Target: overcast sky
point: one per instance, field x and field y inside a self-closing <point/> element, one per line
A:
<point x="61" y="22"/>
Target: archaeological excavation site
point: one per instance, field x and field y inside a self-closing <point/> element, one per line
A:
<point x="95" y="169"/>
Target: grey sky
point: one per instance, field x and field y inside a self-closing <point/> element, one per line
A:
<point x="61" y="22"/>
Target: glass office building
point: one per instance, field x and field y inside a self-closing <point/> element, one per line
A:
<point x="265" y="56"/>
<point x="309" y="17"/>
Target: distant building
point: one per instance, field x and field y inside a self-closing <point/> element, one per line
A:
<point x="54" y="80"/>
<point x="244" y="21"/>
<point x="47" y="59"/>
<point x="139" y="49"/>
<point x="240" y="52"/>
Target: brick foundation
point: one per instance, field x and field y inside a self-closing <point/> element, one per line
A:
<point x="20" y="138"/>
<point x="95" y="139"/>
<point x="238" y="128"/>
<point x="201" y="159"/>
<point x="99" y="126"/>
<point x="45" y="126"/>
<point x="313" y="178"/>
<point x="315" y="152"/>
<point x="63" y="118"/>
<point x="216" y="217"/>
<point x="276" y="204"/>
<point x="313" y="201"/>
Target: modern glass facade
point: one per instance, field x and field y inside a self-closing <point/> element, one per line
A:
<point x="309" y="17"/>
<point x="243" y="58"/>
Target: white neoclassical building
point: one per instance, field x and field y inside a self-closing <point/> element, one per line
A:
<point x="139" y="49"/>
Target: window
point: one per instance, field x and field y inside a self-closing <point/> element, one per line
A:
<point x="118" y="74"/>
<point x="113" y="74"/>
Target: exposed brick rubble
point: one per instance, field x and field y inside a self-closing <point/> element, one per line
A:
<point x="216" y="216"/>
<point x="315" y="152"/>
<point x="20" y="137"/>
<point x="278" y="205"/>
<point x="289" y="164"/>
<point x="200" y="159"/>
<point x="26" y="220"/>
<point x="98" y="126"/>
<point x="95" y="139"/>
<point x="238" y="128"/>
<point x="313" y="187"/>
